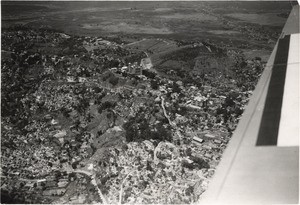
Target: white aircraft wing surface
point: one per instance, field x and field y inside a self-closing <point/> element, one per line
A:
<point x="261" y="163"/>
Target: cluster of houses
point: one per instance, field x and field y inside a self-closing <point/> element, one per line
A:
<point x="134" y="68"/>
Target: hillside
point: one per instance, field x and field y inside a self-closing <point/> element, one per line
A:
<point x="122" y="102"/>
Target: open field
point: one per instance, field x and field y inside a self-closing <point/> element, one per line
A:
<point x="153" y="45"/>
<point x="261" y="19"/>
<point x="192" y="17"/>
<point x="183" y="20"/>
<point x="156" y="27"/>
<point x="263" y="54"/>
<point x="128" y="28"/>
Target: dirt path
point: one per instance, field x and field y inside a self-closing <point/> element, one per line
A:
<point x="173" y="125"/>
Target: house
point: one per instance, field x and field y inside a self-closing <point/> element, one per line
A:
<point x="50" y="184"/>
<point x="60" y="134"/>
<point x="82" y="79"/>
<point x="70" y="79"/>
<point x="197" y="139"/>
<point x="65" y="35"/>
<point x="193" y="107"/>
<point x="62" y="183"/>
<point x="40" y="181"/>
<point x="135" y="69"/>
<point x="54" y="122"/>
<point x="113" y="69"/>
<point x="138" y="70"/>
<point x="124" y="69"/>
<point x="54" y="192"/>
<point x="50" y="177"/>
<point x="29" y="184"/>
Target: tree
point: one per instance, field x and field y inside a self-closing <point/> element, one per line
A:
<point x="154" y="84"/>
<point x="106" y="105"/>
<point x="258" y="58"/>
<point x="176" y="88"/>
<point x="148" y="74"/>
<point x="229" y="102"/>
<point x="113" y="80"/>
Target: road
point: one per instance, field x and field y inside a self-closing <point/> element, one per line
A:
<point x="93" y="182"/>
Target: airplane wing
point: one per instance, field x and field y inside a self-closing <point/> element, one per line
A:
<point x="261" y="163"/>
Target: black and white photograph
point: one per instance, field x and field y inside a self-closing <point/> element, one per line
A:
<point x="149" y="102"/>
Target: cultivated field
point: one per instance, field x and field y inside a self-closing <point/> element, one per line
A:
<point x="180" y="20"/>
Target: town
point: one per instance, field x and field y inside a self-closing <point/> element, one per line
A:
<point x="86" y="120"/>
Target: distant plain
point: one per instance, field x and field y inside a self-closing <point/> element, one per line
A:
<point x="252" y="27"/>
<point x="179" y="19"/>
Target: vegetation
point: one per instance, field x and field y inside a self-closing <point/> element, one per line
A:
<point x="138" y="129"/>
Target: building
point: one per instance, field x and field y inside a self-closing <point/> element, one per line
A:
<point x="146" y="63"/>
<point x="135" y="69"/>
<point x="54" y="192"/>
